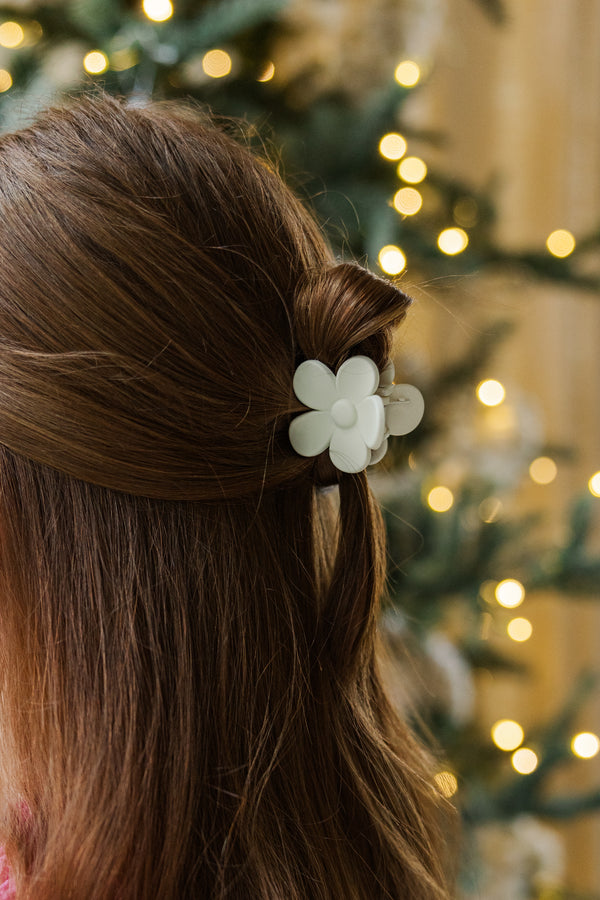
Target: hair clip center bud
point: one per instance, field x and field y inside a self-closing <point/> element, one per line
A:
<point x="343" y="413"/>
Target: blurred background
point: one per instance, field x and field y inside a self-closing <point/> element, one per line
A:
<point x="451" y="145"/>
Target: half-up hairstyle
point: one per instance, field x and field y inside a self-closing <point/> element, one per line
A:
<point x="190" y="705"/>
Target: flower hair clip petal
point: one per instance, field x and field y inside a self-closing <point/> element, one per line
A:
<point x="349" y="412"/>
<point x="404" y="408"/>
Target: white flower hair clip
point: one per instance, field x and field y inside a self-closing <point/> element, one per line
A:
<point x="352" y="413"/>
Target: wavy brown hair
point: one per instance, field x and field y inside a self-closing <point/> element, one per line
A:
<point x="190" y="702"/>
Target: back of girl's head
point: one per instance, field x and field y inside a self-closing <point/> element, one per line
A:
<point x="190" y="698"/>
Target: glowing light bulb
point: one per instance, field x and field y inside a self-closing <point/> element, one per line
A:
<point x="519" y="629"/>
<point x="440" y="499"/>
<point x="95" y="62"/>
<point x="391" y="259"/>
<point x="509" y="593"/>
<point x="507" y="734"/>
<point x="408" y="201"/>
<point x="5" y="81"/>
<point x="407" y="73"/>
<point x="446" y="783"/>
<point x="560" y="243"/>
<point x="585" y="745"/>
<point x="490" y="392"/>
<point x="158" y="10"/>
<point x="452" y="241"/>
<point x="543" y="470"/>
<point x="392" y="146"/>
<point x="524" y="761"/>
<point x="216" y="63"/>
<point x="268" y="73"/>
<point x="11" y="34"/>
<point x="594" y="484"/>
<point x="412" y="169"/>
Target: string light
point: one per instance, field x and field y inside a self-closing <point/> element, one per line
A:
<point x="594" y="484"/>
<point x="452" y="241"/>
<point x="585" y="745"/>
<point x="412" y="169"/>
<point x="158" y="10"/>
<point x="11" y="34"/>
<point x="543" y="470"/>
<point x="392" y="146"/>
<point x="507" y="734"/>
<point x="519" y="629"/>
<point x="408" y="201"/>
<point x="524" y="761"/>
<point x="560" y="243"/>
<point x="490" y="392"/>
<point x="391" y="259"/>
<point x="216" y="63"/>
<point x="407" y="73"/>
<point x="268" y="72"/>
<point x="95" y="62"/>
<point x="509" y="593"/>
<point x="440" y="499"/>
<point x="446" y="783"/>
<point x="5" y="81"/>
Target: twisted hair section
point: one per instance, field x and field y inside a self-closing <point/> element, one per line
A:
<point x="190" y="703"/>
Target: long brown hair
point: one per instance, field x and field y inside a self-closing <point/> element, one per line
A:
<point x="190" y="701"/>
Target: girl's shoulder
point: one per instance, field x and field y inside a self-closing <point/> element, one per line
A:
<point x="7" y="885"/>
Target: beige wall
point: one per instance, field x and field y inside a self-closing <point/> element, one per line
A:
<point x="521" y="103"/>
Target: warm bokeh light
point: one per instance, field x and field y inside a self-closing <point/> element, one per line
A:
<point x="11" y="34"/>
<point x="412" y="169"/>
<point x="490" y="509"/>
<point x="216" y="63"/>
<point x="408" y="201"/>
<point x="507" y="734"/>
<point x="5" y="80"/>
<point x="95" y="62"/>
<point x="158" y="10"/>
<point x="490" y="392"/>
<point x="519" y="629"/>
<point x="33" y="31"/>
<point x="452" y="241"/>
<point x="446" y="783"/>
<point x="594" y="484"/>
<point x="543" y="470"/>
<point x="585" y="745"/>
<point x="509" y="593"/>
<point x="391" y="259"/>
<point x="268" y="72"/>
<point x="392" y="146"/>
<point x="124" y="59"/>
<point x="465" y="212"/>
<point x="407" y="73"/>
<point x="560" y="243"/>
<point x="440" y="499"/>
<point x="524" y="761"/>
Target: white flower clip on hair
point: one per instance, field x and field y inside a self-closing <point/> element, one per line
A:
<point x="353" y="413"/>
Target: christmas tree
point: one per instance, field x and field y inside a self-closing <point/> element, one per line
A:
<point x="462" y="554"/>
